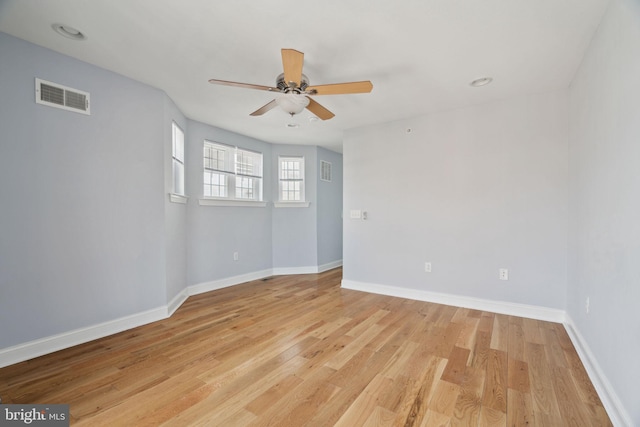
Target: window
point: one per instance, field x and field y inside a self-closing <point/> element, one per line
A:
<point x="291" y="173"/>
<point x="232" y="173"/>
<point x="177" y="136"/>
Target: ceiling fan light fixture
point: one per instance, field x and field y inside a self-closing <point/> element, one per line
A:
<point x="292" y="103"/>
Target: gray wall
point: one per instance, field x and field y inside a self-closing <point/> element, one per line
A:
<point x="175" y="214"/>
<point x="604" y="236"/>
<point x="295" y="233"/>
<point x="309" y="237"/>
<point x="81" y="225"/>
<point x="329" y="209"/>
<point x="471" y="191"/>
<point x="215" y="232"/>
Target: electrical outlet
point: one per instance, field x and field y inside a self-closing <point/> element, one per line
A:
<point x="587" y="305"/>
<point x="427" y="267"/>
<point x="236" y="257"/>
<point x="504" y="274"/>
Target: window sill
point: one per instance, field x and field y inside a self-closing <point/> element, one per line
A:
<point x="221" y="202"/>
<point x="178" y="198"/>
<point x="291" y="204"/>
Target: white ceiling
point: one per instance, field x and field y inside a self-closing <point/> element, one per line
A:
<point x="419" y="54"/>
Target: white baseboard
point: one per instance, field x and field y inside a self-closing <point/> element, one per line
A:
<point x="329" y="266"/>
<point x="615" y="409"/>
<point x="283" y="271"/>
<point x="502" y="307"/>
<point x="177" y="301"/>
<point x="39" y="347"/>
<point x="228" y="281"/>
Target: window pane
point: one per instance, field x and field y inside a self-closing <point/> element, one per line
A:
<point x="291" y="191"/>
<point x="290" y="169"/>
<point x="218" y="157"/>
<point x="215" y="184"/>
<point x="248" y="163"/>
<point x="177" y="144"/>
<point x="244" y="188"/>
<point x="178" y="177"/>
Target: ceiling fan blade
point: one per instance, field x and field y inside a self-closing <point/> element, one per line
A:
<point x="292" y="61"/>
<point x="260" y="111"/>
<point x="319" y="110"/>
<point x="340" y="88"/>
<point x="244" y="85"/>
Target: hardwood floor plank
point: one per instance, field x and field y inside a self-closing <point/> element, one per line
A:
<point x="554" y="350"/>
<point x="353" y="387"/>
<point x="468" y="333"/>
<point x="351" y="349"/>
<point x="493" y="418"/>
<point x="468" y="404"/>
<point x="301" y="351"/>
<point x="573" y="411"/>
<point x="444" y="398"/>
<point x="359" y="411"/>
<point x="302" y="402"/>
<point x="519" y="409"/>
<point x="518" y="375"/>
<point x="412" y="407"/>
<point x="480" y="353"/>
<point x="435" y="419"/>
<point x="500" y="333"/>
<point x="456" y="364"/>
<point x="495" y="385"/>
<point x="264" y="401"/>
<point x="544" y="401"/>
<point x="380" y="417"/>
<point x="516" y="339"/>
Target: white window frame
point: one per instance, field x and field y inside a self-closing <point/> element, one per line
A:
<point x="291" y="173"/>
<point x="225" y="169"/>
<point x="177" y="194"/>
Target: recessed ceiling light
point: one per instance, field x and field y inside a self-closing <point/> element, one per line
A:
<point x="483" y="81"/>
<point x="293" y="125"/>
<point x="68" y="32"/>
<point x="313" y="119"/>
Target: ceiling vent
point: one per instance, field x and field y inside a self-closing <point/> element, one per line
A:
<point x="55" y="95"/>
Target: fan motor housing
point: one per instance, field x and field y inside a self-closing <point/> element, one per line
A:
<point x="286" y="88"/>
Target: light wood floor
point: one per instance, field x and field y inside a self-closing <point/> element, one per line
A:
<point x="299" y="350"/>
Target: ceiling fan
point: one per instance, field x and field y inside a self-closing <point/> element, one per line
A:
<point x="295" y="90"/>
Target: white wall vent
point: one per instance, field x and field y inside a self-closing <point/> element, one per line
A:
<point x="55" y="95"/>
<point x="325" y="171"/>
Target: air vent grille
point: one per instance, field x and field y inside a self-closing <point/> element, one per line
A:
<point x="51" y="94"/>
<point x="325" y="171"/>
<point x="55" y="95"/>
